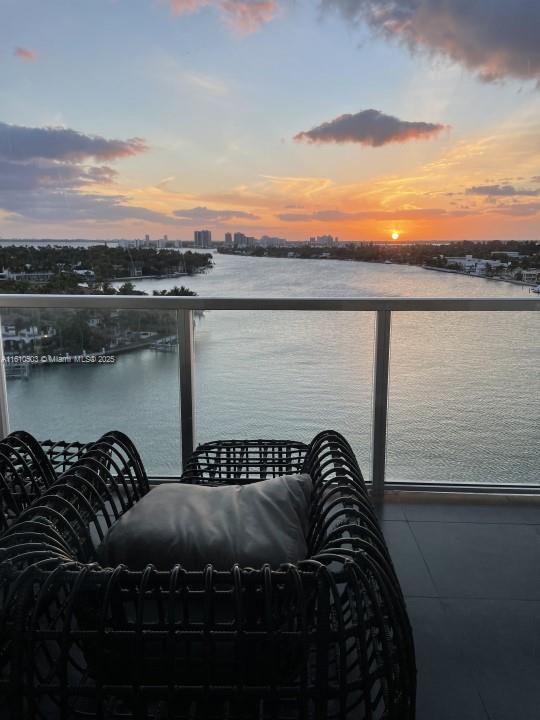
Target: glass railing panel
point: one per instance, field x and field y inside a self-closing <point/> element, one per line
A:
<point x="285" y="375"/>
<point x="463" y="398"/>
<point x="80" y="373"/>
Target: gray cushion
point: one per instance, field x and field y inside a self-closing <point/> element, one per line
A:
<point x="194" y="525"/>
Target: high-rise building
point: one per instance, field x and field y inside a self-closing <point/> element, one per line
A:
<point x="228" y="239"/>
<point x="240" y="240"/>
<point x="147" y="239"/>
<point x="202" y="238"/>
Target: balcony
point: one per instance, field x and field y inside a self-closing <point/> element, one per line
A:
<point x="466" y="549"/>
<point x="468" y="565"/>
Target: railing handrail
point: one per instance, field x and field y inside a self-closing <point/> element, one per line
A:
<point x="184" y="306"/>
<point x="368" y="304"/>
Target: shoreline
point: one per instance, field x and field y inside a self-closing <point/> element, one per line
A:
<point x="481" y="277"/>
<point x="20" y="369"/>
<point x="150" y="277"/>
<point x="511" y="281"/>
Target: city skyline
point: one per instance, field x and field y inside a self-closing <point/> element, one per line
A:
<point x="267" y="117"/>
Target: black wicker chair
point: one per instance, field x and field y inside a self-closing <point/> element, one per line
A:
<point x="327" y="637"/>
<point x="27" y="469"/>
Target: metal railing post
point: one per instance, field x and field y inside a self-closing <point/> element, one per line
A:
<point x="4" y="408"/>
<point x="380" y="401"/>
<point x="184" y="328"/>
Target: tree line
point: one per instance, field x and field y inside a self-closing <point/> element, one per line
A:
<point x="106" y="262"/>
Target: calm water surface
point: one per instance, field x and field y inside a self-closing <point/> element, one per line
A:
<point x="464" y="389"/>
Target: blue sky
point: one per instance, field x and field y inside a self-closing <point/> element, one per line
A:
<point x="218" y="109"/>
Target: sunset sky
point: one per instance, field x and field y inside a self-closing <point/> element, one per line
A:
<point x="357" y="118"/>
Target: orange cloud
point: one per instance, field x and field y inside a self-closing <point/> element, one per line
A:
<point x="245" y="16"/>
<point x="25" y="54"/>
<point x="248" y="17"/>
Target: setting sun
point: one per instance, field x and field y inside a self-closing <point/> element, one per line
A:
<point x="395" y="236"/>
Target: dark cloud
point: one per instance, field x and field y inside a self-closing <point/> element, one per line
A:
<point x="519" y="209"/>
<point x="45" y="174"/>
<point x="369" y="127"/>
<point x="42" y="175"/>
<point x="46" y="205"/>
<point x="495" y="38"/>
<point x="20" y="143"/>
<point x="55" y="206"/>
<point x="204" y="214"/>
<point x="500" y="191"/>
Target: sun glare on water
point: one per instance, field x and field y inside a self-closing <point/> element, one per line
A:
<point x="395" y="236"/>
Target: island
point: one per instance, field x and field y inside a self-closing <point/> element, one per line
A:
<point x="90" y="270"/>
<point x="83" y="337"/>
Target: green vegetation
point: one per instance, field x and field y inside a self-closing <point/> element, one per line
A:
<point x="104" y="263"/>
<point x="72" y="332"/>
<point x="175" y="291"/>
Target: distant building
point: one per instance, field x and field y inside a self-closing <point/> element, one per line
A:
<point x="467" y="263"/>
<point x="147" y="239"/>
<point x="474" y="265"/>
<point x="532" y="275"/>
<point x="322" y="241"/>
<point x="240" y="240"/>
<point x="509" y="253"/>
<point x="272" y="242"/>
<point x="40" y="278"/>
<point x="88" y="276"/>
<point x="135" y="269"/>
<point x="25" y="336"/>
<point x="228" y="239"/>
<point x="202" y="238"/>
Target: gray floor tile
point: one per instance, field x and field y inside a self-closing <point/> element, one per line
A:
<point x="501" y="639"/>
<point x="408" y="561"/>
<point x="489" y="509"/>
<point x="390" y="508"/>
<point x="481" y="560"/>
<point x="445" y="688"/>
<point x="528" y="508"/>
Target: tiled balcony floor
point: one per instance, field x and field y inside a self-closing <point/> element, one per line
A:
<point x="470" y="570"/>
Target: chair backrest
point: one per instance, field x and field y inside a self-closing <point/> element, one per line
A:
<point x="26" y="472"/>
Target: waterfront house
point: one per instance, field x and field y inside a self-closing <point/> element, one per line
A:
<point x="471" y="264"/>
<point x="532" y="275"/>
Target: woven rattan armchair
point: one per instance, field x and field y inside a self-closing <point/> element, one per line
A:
<point x="327" y="637"/>
<point x="28" y="468"/>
